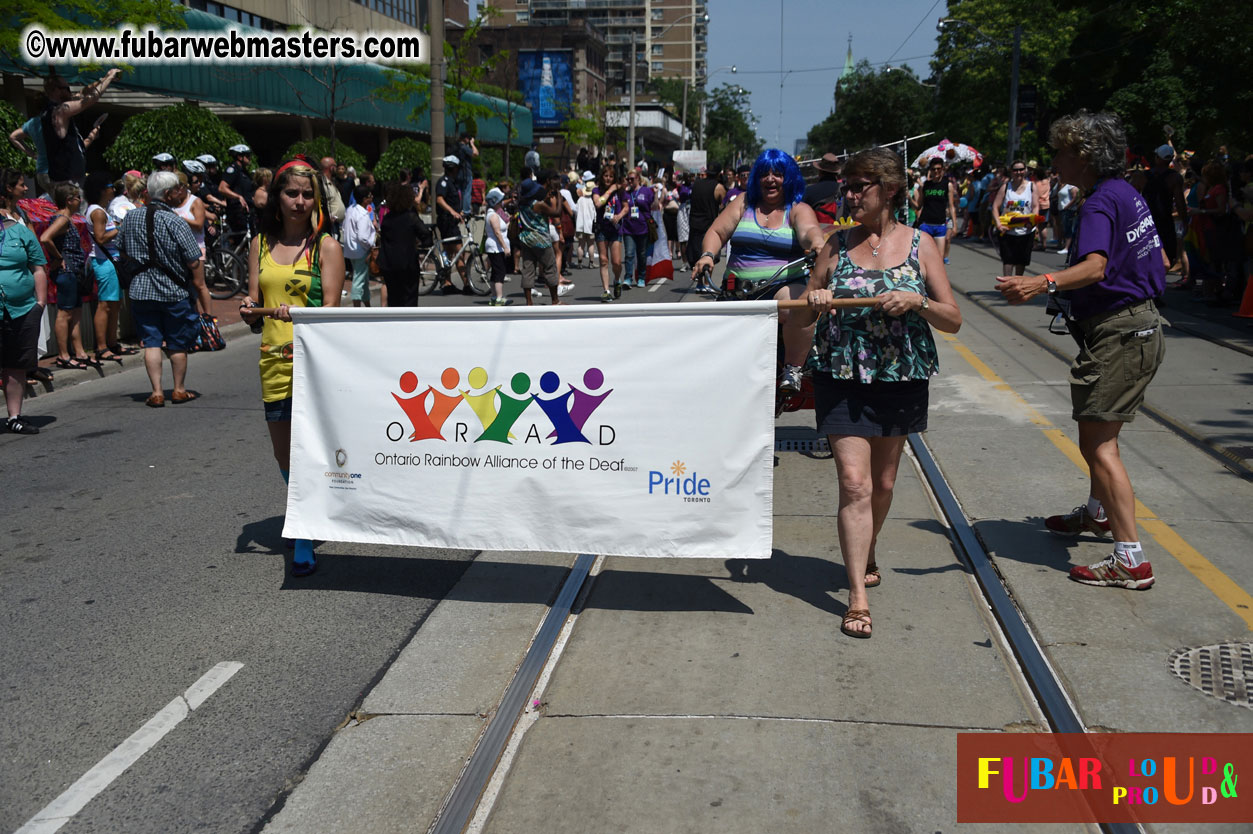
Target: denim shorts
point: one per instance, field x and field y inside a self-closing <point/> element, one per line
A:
<point x="174" y="323"/>
<point x="67" y="291"/>
<point x="278" y="411"/>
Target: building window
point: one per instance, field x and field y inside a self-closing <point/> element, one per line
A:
<point x="658" y="66"/>
<point x="658" y="14"/>
<point x="524" y="17"/>
<point x="659" y="49"/>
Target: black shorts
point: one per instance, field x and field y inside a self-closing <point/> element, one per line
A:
<point x="869" y="409"/>
<point x="1016" y="249"/>
<point x="496" y="260"/>
<point x="19" y="340"/>
<point x="448" y="228"/>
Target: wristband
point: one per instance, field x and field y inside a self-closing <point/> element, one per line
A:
<point x="709" y="255"/>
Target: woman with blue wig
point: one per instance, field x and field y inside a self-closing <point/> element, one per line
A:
<point x="767" y="228"/>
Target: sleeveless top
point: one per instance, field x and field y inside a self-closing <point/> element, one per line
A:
<point x="704" y="207"/>
<point x="758" y="252"/>
<point x="288" y="284"/>
<point x="66" y="157"/>
<point x="184" y="211"/>
<point x="863" y="345"/>
<point x="934" y="202"/>
<point x="1018" y="201"/>
<point x="70" y="244"/>
<point x="98" y="251"/>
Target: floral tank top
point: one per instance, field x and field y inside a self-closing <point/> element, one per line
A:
<point x="865" y="345"/>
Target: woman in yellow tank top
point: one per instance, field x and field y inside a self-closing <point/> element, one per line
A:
<point x="293" y="263"/>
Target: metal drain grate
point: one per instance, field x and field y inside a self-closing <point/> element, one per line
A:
<point x="1224" y="671"/>
<point x="801" y="445"/>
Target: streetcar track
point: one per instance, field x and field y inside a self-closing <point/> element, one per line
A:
<point x="1224" y="456"/>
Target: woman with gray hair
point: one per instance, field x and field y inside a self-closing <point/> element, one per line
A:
<point x="1114" y="272"/>
<point x="164" y="294"/>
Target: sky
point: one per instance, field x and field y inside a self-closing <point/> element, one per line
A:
<point x="814" y="36"/>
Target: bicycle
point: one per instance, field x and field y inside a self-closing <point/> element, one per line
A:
<point x="436" y="266"/>
<point x="226" y="266"/>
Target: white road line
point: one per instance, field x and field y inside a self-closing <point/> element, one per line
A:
<point x="60" y="810"/>
<point x="657" y="284"/>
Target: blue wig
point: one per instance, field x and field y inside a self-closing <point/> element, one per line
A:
<point x="779" y="162"/>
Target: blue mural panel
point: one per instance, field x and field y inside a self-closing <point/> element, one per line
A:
<point x="546" y="81"/>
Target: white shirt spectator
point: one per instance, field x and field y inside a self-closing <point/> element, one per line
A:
<point x="358" y="234"/>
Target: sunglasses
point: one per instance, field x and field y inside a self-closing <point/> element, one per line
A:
<point x="856" y="187"/>
<point x="1018" y="170"/>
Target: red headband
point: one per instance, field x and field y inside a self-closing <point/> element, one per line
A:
<point x="293" y="162"/>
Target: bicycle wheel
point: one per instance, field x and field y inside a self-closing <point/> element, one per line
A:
<point x="429" y="272"/>
<point x="223" y="274"/>
<point x="480" y="271"/>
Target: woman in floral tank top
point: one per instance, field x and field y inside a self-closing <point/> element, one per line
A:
<point x="871" y="364"/>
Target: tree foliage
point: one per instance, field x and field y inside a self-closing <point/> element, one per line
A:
<point x="403" y="154"/>
<point x="320" y="146"/>
<point x="728" y="135"/>
<point x="81" y="14"/>
<point x="183" y="130"/>
<point x="874" y="107"/>
<point x="584" y="127"/>
<point x="1155" y="62"/>
<point x="11" y="157"/>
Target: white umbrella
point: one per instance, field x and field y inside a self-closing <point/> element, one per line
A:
<point x="950" y="152"/>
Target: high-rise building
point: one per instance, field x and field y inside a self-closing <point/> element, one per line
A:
<point x="670" y="35"/>
<point x="331" y="15"/>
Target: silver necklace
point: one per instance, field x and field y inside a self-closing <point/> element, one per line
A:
<point x="874" y="250"/>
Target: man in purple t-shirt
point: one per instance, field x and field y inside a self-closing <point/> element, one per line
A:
<point x="1107" y="293"/>
<point x="634" y="230"/>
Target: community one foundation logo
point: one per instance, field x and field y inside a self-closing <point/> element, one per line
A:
<point x="495" y="410"/>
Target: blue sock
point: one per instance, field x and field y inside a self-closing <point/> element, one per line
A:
<point x="304" y="552"/>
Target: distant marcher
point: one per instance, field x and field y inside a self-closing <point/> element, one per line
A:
<point x="496" y="244"/>
<point x="585" y="221"/>
<point x="293" y="262"/>
<point x="611" y="207"/>
<point x="708" y="195"/>
<point x="448" y="217"/>
<point x="399" y="235"/>
<point x="358" y="239"/>
<point x="164" y="296"/>
<point x="823" y="195"/>
<point x="538" y="207"/>
<point x="334" y="203"/>
<point x="1115" y="272"/>
<point x="466" y="152"/>
<point x="1015" y="195"/>
<point x="23" y="295"/>
<point x="871" y="367"/>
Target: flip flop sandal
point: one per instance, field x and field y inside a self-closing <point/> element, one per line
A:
<point x="873" y="577"/>
<point x="856" y="615"/>
<point x="89" y="362"/>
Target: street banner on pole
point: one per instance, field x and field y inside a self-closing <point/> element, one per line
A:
<point x="576" y="430"/>
<point x="689" y="162"/>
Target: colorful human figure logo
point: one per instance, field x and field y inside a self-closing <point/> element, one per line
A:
<point x="415" y="408"/>
<point x="558" y="410"/>
<point x="482" y="404"/>
<point x="585" y="402"/>
<point x="443" y="404"/>
<point x="510" y="410"/>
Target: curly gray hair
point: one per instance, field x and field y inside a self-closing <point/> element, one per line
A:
<point x="1096" y="138"/>
<point x="161" y="182"/>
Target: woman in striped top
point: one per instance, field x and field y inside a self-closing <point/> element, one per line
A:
<point x="768" y="228"/>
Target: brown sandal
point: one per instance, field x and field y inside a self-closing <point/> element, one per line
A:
<point x="873" y="577"/>
<point x="856" y="615"/>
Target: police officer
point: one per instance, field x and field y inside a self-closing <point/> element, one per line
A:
<point x="163" y="162"/>
<point x="448" y="218"/>
<point x="236" y="188"/>
<point x="212" y="174"/>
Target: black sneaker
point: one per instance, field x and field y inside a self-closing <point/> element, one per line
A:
<point x="16" y="425"/>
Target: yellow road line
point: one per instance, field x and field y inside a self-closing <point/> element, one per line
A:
<point x="1222" y="586"/>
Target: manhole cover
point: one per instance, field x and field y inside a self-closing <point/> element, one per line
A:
<point x="1224" y="671"/>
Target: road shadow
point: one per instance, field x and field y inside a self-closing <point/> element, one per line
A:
<point x="807" y="578"/>
<point x="1027" y="541"/>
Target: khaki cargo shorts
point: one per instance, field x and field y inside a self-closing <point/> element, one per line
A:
<point x="1121" y="353"/>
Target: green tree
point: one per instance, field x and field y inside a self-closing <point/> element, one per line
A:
<point x="670" y="91"/>
<point x="184" y="130"/>
<point x="728" y="135"/>
<point x="402" y="154"/>
<point x="11" y="157"/>
<point x="874" y="107"/>
<point x="584" y="127"/>
<point x="92" y="15"/>
<point x="320" y="146"/>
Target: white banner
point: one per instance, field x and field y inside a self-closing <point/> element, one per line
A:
<point x="643" y="430"/>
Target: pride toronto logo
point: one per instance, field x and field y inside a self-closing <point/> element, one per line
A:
<point x="498" y="410"/>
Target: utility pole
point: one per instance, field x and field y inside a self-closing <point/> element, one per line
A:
<point x="436" y="12"/>
<point x="631" y="117"/>
<point x="1013" y="99"/>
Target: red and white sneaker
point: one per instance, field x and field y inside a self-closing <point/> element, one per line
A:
<point x="1109" y="571"/>
<point x="1075" y="522"/>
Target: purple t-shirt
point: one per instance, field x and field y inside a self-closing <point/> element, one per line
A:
<point x="641" y="205"/>
<point x="613" y="205"/>
<point x="1116" y="222"/>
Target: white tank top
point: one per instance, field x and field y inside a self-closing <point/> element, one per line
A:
<point x="184" y="211"/>
<point x="1019" y="201"/>
<point x="96" y="251"/>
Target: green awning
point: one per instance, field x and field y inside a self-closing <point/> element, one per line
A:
<point x="303" y="91"/>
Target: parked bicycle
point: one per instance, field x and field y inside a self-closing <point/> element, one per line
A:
<point x="226" y="263"/>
